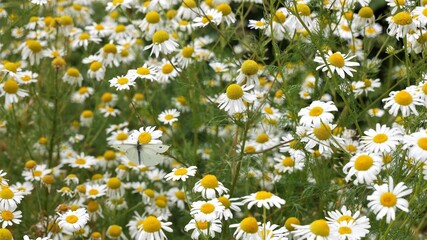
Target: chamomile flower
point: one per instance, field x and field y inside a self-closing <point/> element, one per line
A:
<point x="115" y="232"/>
<point x="169" y="116"/>
<point x="232" y="100"/>
<point x="204" y="228"/>
<point x="229" y="204"/>
<point x="167" y="71"/>
<point x="152" y="227"/>
<point x="143" y="72"/>
<point x="400" y="24"/>
<point x="263" y="199"/>
<point x="321" y="136"/>
<point x="147" y="135"/>
<point x="348" y="230"/>
<point x="109" y="111"/>
<point x="82" y="94"/>
<point x="73" y="220"/>
<point x="26" y="77"/>
<point x="122" y="83"/>
<point x="416" y="143"/>
<point x="318" y="112"/>
<point x="376" y="112"/>
<point x="12" y="92"/>
<point x="211" y="16"/>
<point x="381" y="140"/>
<point x="386" y="198"/>
<point x="398" y="4"/>
<point x="151" y="23"/>
<point x="80" y="161"/>
<point x="206" y="210"/>
<point x="248" y="73"/>
<point x="337" y="62"/>
<point x="188" y="10"/>
<point x="73" y="76"/>
<point x="289" y="164"/>
<point x="161" y="43"/>
<point x="257" y="24"/>
<point x="403" y="100"/>
<point x="270" y="231"/>
<point x="32" y="50"/>
<point x="365" y="166"/>
<point x="185" y="56"/>
<point x="366" y="85"/>
<point x="372" y="31"/>
<point x="318" y="229"/>
<point x="181" y="173"/>
<point x="94" y="191"/>
<point x="247" y="229"/>
<point x="227" y="13"/>
<point x="9" y="217"/>
<point x="209" y="187"/>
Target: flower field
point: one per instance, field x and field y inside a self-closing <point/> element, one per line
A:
<point x="214" y="119"/>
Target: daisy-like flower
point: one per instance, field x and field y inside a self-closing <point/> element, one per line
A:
<point x="115" y="187"/>
<point x="151" y="23"/>
<point x="398" y="4"/>
<point x="318" y="229"/>
<point x="152" y="228"/>
<point x="232" y="100"/>
<point x="361" y="223"/>
<point x="94" y="191"/>
<point x="263" y="199"/>
<point x="209" y="187"/>
<point x="269" y="231"/>
<point x="212" y="16"/>
<point x="387" y="197"/>
<point x="80" y="161"/>
<point x="381" y="140"/>
<point x="10" y="217"/>
<point x="376" y="112"/>
<point x="167" y="71"/>
<point x="143" y="72"/>
<point x="73" y="76"/>
<point x="32" y="50"/>
<point x="227" y="13"/>
<point x="229" y="204"/>
<point x="336" y="62"/>
<point x="122" y="83"/>
<point x="26" y="77"/>
<point x="73" y="220"/>
<point x="257" y="24"/>
<point x="366" y="85"/>
<point x="365" y="166"/>
<point x="24" y="188"/>
<point x="404" y="100"/>
<point x="372" y="31"/>
<point x="206" y="210"/>
<point x="318" y="112"/>
<point x="248" y="73"/>
<point x="400" y="24"/>
<point x="9" y="198"/>
<point x="288" y="164"/>
<point x="36" y="173"/>
<point x="169" y="116"/>
<point x="204" y="228"/>
<point x="147" y="135"/>
<point x="161" y="43"/>
<point x="82" y="94"/>
<point x="321" y="136"/>
<point x="416" y="143"/>
<point x="109" y="111"/>
<point x="115" y="232"/>
<point x="247" y="229"/>
<point x="348" y="230"/>
<point x="12" y="92"/>
<point x="185" y="56"/>
<point x="181" y="173"/>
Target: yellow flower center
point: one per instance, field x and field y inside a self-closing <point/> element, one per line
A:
<point x="122" y="136"/>
<point x="224" y="8"/>
<point x="202" y="225"/>
<point x="388" y="199"/>
<point x="249" y="225"/>
<point x="122" y="80"/>
<point x="106" y="97"/>
<point x="259" y="24"/>
<point x="95" y="66"/>
<point x="110" y="48"/>
<point x="225" y="201"/>
<point x="144" y="138"/>
<point x="290" y="221"/>
<point x="262" y="138"/>
<point x="366" y="12"/>
<point x="323" y="132"/>
<point x="109" y="155"/>
<point x="169" y="117"/>
<point x="316" y="111"/>
<point x="403" y="98"/>
<point x="143" y="71"/>
<point x="209" y="181"/>
<point x="345" y="28"/>
<point x="80" y="161"/>
<point x="83" y="90"/>
<point x="120" y="28"/>
<point x="92" y="206"/>
<point x="180" y="195"/>
<point x="151" y="224"/>
<point x="380" y="138"/>
<point x="87" y="114"/>
<point x="149" y="193"/>
<point x="288" y="162"/>
<point x="167" y="68"/>
<point x="180" y="171"/>
<point x="93" y="192"/>
<point x="36" y="173"/>
<point x="250" y="149"/>
<point x="160" y="37"/>
<point x="84" y="36"/>
<point x="206" y="19"/>
<point x="279" y="17"/>
<point x="115" y="231"/>
<point x="171" y="13"/>
<point x="187" y="52"/>
<point x="5" y="234"/>
<point x="189" y="3"/>
<point x="249" y="67"/>
<point x="65" y="20"/>
<point x="152" y="17"/>
<point x="351" y="148"/>
<point x="11" y="86"/>
<point x="161" y="203"/>
<point x="73" y="72"/>
<point x="399" y="2"/>
<point x="13" y="67"/>
<point x="71" y="219"/>
<point x="402" y="18"/>
<point x="303" y="9"/>
<point x="262" y="195"/>
<point x="344" y="230"/>
<point x="348" y="15"/>
<point x="387" y="158"/>
<point x="337" y="60"/>
<point x="6" y="215"/>
<point x="422" y="143"/>
<point x="6" y="193"/>
<point x="268" y="110"/>
<point x="234" y="91"/>
<point x="363" y="163"/>
<point x="345" y="218"/>
<point x="207" y="208"/>
<point x="34" y="46"/>
<point x="114" y="183"/>
<point x="320" y="228"/>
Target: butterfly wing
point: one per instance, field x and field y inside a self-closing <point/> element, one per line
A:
<point x="151" y="153"/>
<point x="130" y="150"/>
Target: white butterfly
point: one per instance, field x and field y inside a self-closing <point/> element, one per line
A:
<point x="147" y="154"/>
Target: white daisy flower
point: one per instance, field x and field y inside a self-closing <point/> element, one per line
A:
<point x="381" y="140"/>
<point x="181" y="173"/>
<point x="211" y="16"/>
<point x="143" y="72"/>
<point x="336" y="62"/>
<point x="318" y="229"/>
<point x="206" y="210"/>
<point x="229" y="204"/>
<point x="161" y="43"/>
<point x="147" y="135"/>
<point x="10" y="217"/>
<point x="365" y="166"/>
<point x="94" y="191"/>
<point x="404" y="100"/>
<point x="263" y="199"/>
<point x="270" y="231"/>
<point x="291" y="163"/>
<point x="204" y="228"/>
<point x="322" y="137"/>
<point x="257" y="24"/>
<point x="169" y="116"/>
<point x="386" y="198"/>
<point x="247" y="229"/>
<point x="248" y="73"/>
<point x="73" y="76"/>
<point x="209" y="187"/>
<point x="400" y="24"/>
<point x="152" y="228"/>
<point x="359" y="223"/>
<point x="73" y="220"/>
<point x="122" y="83"/>
<point x="376" y="112"/>
<point x="318" y="112"/>
<point x="12" y="92"/>
<point x="416" y="143"/>
<point x="32" y="50"/>
<point x="232" y="100"/>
